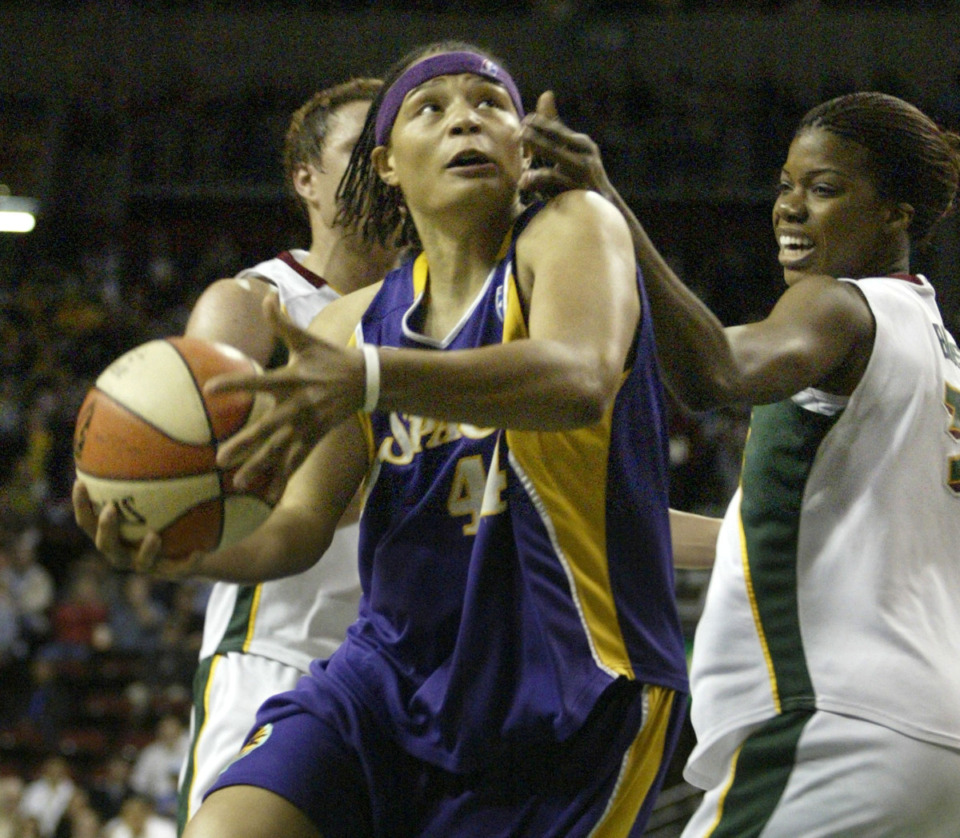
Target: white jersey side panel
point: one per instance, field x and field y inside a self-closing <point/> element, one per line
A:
<point x="303" y="617"/>
<point x="301" y="298"/>
<point x="877" y="581"/>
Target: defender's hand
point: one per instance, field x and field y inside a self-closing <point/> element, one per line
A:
<point x="563" y="159"/>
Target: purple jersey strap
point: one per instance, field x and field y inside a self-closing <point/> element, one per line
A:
<point x="444" y="64"/>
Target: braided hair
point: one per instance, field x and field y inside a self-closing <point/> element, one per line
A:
<point x="911" y="159"/>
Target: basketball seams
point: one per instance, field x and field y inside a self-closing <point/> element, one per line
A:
<point x="150" y="422"/>
<point x="203" y="361"/>
<point x="219" y="431"/>
<point x="194" y="530"/>
<point x="153" y="379"/>
<point x="178" y="345"/>
<point x="171" y="457"/>
<point x="146" y="440"/>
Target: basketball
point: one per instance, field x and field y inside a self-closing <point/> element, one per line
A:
<point x="146" y="439"/>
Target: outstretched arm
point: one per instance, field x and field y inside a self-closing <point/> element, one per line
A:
<point x="565" y="375"/>
<point x="696" y="352"/>
<point x="819" y="334"/>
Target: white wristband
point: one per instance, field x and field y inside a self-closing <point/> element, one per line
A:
<point x="371" y="367"/>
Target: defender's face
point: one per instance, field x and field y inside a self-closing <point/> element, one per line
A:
<point x="828" y="217"/>
<point x="343" y="130"/>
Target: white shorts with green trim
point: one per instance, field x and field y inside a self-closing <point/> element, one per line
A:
<point x="816" y="774"/>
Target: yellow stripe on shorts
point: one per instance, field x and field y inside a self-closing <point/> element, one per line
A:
<point x="640" y="767"/>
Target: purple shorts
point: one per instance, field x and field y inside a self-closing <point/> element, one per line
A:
<point x="340" y="767"/>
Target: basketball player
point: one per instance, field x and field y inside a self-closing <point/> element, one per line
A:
<point x="826" y="691"/>
<point x="260" y="639"/>
<point x="517" y="667"/>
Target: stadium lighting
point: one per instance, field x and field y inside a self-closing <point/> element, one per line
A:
<point x="17" y="214"/>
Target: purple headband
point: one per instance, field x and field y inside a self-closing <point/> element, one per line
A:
<point x="444" y="64"/>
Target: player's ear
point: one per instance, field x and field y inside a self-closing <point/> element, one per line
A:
<point x="303" y="181"/>
<point x="382" y="161"/>
<point x="899" y="216"/>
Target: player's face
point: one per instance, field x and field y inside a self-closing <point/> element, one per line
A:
<point x="455" y="136"/>
<point x="828" y="217"/>
<point x="343" y="130"/>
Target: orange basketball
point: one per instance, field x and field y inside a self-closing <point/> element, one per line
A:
<point x="146" y="439"/>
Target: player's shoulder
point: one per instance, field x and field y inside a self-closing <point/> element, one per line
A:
<point x="246" y="285"/>
<point x="338" y="320"/>
<point x="579" y="212"/>
<point x="829" y="299"/>
<point x="231" y="297"/>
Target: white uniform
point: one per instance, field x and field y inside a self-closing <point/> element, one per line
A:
<point x="836" y="589"/>
<point x="258" y="640"/>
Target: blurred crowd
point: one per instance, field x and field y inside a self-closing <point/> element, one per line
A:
<point x="97" y="666"/>
<point x="125" y="798"/>
<point x="96" y="670"/>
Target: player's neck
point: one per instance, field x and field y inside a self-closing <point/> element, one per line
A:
<point x="460" y="259"/>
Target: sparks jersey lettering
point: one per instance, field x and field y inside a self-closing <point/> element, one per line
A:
<point x="508" y="577"/>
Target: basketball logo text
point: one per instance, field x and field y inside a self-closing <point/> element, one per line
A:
<point x="83" y="425"/>
<point x="126" y="509"/>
